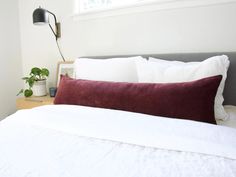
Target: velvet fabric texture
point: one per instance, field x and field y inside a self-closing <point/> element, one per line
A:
<point x="188" y="100"/>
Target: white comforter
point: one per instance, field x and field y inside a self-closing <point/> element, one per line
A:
<point x="76" y="141"/>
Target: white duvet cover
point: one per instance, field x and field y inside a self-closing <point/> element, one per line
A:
<point x="76" y="141"/>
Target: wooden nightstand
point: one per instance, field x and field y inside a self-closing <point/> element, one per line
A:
<point x="31" y="102"/>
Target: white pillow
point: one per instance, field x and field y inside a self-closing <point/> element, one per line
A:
<point x="231" y="122"/>
<point x="163" y="71"/>
<point x="113" y="69"/>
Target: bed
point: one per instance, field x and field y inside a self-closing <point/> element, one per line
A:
<point x="75" y="140"/>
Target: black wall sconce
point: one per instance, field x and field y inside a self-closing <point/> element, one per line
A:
<point x="41" y="17"/>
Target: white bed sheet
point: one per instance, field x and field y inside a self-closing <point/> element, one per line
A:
<point x="71" y="141"/>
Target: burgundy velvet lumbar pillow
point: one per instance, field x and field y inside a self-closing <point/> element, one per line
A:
<point x="189" y="100"/>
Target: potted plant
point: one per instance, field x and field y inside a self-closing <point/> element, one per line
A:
<point x="36" y="82"/>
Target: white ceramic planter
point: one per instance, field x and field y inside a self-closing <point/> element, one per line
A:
<point x="39" y="88"/>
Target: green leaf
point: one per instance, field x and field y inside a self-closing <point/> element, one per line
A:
<point x="36" y="71"/>
<point x="28" y="92"/>
<point x="31" y="81"/>
<point x="20" y="92"/>
<point x="45" y="72"/>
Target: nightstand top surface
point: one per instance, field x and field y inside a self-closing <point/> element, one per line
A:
<point x="33" y="101"/>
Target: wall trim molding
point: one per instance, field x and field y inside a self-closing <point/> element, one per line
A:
<point x="149" y="7"/>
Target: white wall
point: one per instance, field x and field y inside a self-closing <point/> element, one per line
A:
<point x="199" y="29"/>
<point x="10" y="59"/>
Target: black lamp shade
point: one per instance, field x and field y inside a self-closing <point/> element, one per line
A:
<point x="40" y="16"/>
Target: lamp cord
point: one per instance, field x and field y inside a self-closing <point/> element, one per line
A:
<point x="56" y="36"/>
<point x="60" y="51"/>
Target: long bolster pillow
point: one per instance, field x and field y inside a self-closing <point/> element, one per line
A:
<point x="188" y="100"/>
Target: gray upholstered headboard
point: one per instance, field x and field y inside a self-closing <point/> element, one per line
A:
<point x="230" y="87"/>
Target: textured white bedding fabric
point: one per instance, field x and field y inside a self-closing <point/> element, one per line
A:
<point x="76" y="141"/>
